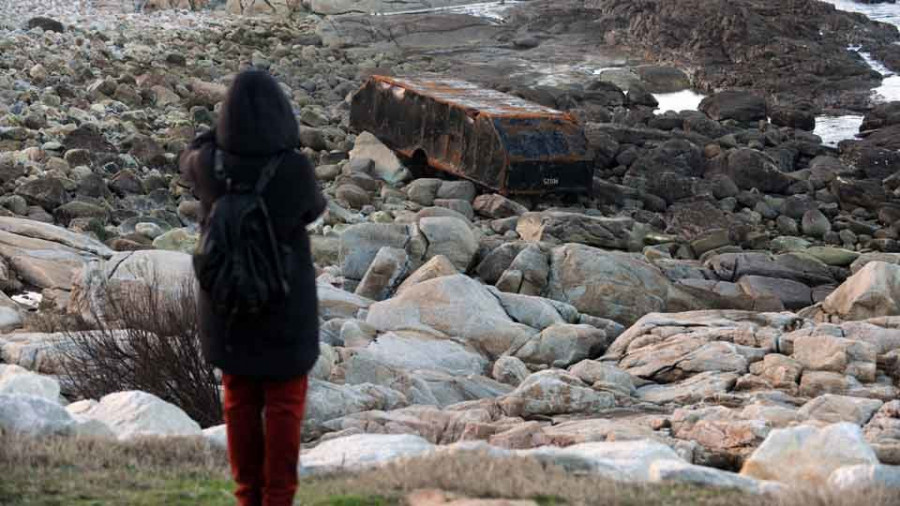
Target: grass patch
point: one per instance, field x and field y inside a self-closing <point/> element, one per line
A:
<point x="355" y="500"/>
<point x="85" y="472"/>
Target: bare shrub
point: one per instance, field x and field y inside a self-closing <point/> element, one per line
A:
<point x="147" y="338"/>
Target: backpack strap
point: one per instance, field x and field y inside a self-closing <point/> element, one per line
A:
<point x="268" y="173"/>
<point x="265" y="175"/>
<point x="219" y="171"/>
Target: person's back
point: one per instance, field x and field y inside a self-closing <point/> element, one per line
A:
<point x="264" y="357"/>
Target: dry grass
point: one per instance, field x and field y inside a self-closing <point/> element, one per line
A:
<point x="57" y="471"/>
<point x="85" y="471"/>
<point x="477" y="475"/>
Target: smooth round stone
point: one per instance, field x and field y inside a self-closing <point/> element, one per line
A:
<point x="838" y="257"/>
<point x="178" y="239"/>
<point x="786" y="244"/>
<point x="382" y="217"/>
<point x="150" y="230"/>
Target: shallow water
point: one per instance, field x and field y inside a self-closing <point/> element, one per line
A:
<point x="834" y="129"/>
<point x="684" y="100"/>
<point x="889" y="90"/>
<point x="888" y="13"/>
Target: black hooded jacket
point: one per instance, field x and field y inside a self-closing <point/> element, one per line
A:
<point x="255" y="124"/>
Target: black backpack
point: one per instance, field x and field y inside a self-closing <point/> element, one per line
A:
<point x="239" y="261"/>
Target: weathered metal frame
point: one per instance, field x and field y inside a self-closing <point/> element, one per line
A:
<point x="472" y="118"/>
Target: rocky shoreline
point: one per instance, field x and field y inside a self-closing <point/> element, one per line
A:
<point x="732" y="284"/>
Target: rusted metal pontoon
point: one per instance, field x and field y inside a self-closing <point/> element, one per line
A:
<point x="494" y="139"/>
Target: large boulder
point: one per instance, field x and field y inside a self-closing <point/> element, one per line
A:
<point x="443" y="389"/>
<point x="555" y="392"/>
<point x="252" y="7"/>
<point x="385" y="273"/>
<point x="793" y="294"/>
<point x="386" y="164"/>
<point x="603" y="376"/>
<point x="337" y="303"/>
<point x="48" y="192"/>
<point x="669" y="171"/>
<point x="751" y="169"/>
<point x="334" y="7"/>
<point x="157" y="5"/>
<point x="425" y="387"/>
<point x="872" y="292"/>
<point x="792" y="266"/>
<point x="673" y="471"/>
<point x="413" y="352"/>
<point x="627" y="461"/>
<point x="130" y="274"/>
<point x="540" y="313"/>
<point x="683" y="355"/>
<point x="451" y="237"/>
<point x="807" y="454"/>
<point x="46" y="256"/>
<point x="206" y="94"/>
<point x="438" y="267"/>
<point x="835" y="354"/>
<point x="742" y="106"/>
<point x="436" y="425"/>
<point x="46" y="24"/>
<point x="510" y="371"/>
<point x="865" y="477"/>
<point x="353" y="453"/>
<point x="361" y="243"/>
<point x="562" y="227"/>
<point x="612" y="285"/>
<point x="34" y="351"/>
<point x="34" y="416"/>
<point x="853" y="193"/>
<point x="839" y="408"/>
<point x="709" y="384"/>
<point x="497" y="206"/>
<point x="867" y="258"/>
<point x="528" y="272"/>
<point x="563" y="345"/>
<point x="136" y="414"/>
<point x="15" y="380"/>
<point x="758" y="330"/>
<point x="451" y="306"/>
<point x="327" y="401"/>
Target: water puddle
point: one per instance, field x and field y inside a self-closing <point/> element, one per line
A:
<point x="834" y="129"/>
<point x="684" y="100"/>
<point x="885" y="12"/>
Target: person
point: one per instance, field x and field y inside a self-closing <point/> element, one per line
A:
<point x="265" y="360"/>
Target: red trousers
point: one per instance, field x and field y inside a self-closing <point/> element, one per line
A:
<point x="264" y="450"/>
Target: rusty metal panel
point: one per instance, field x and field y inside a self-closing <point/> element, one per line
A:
<point x="497" y="140"/>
